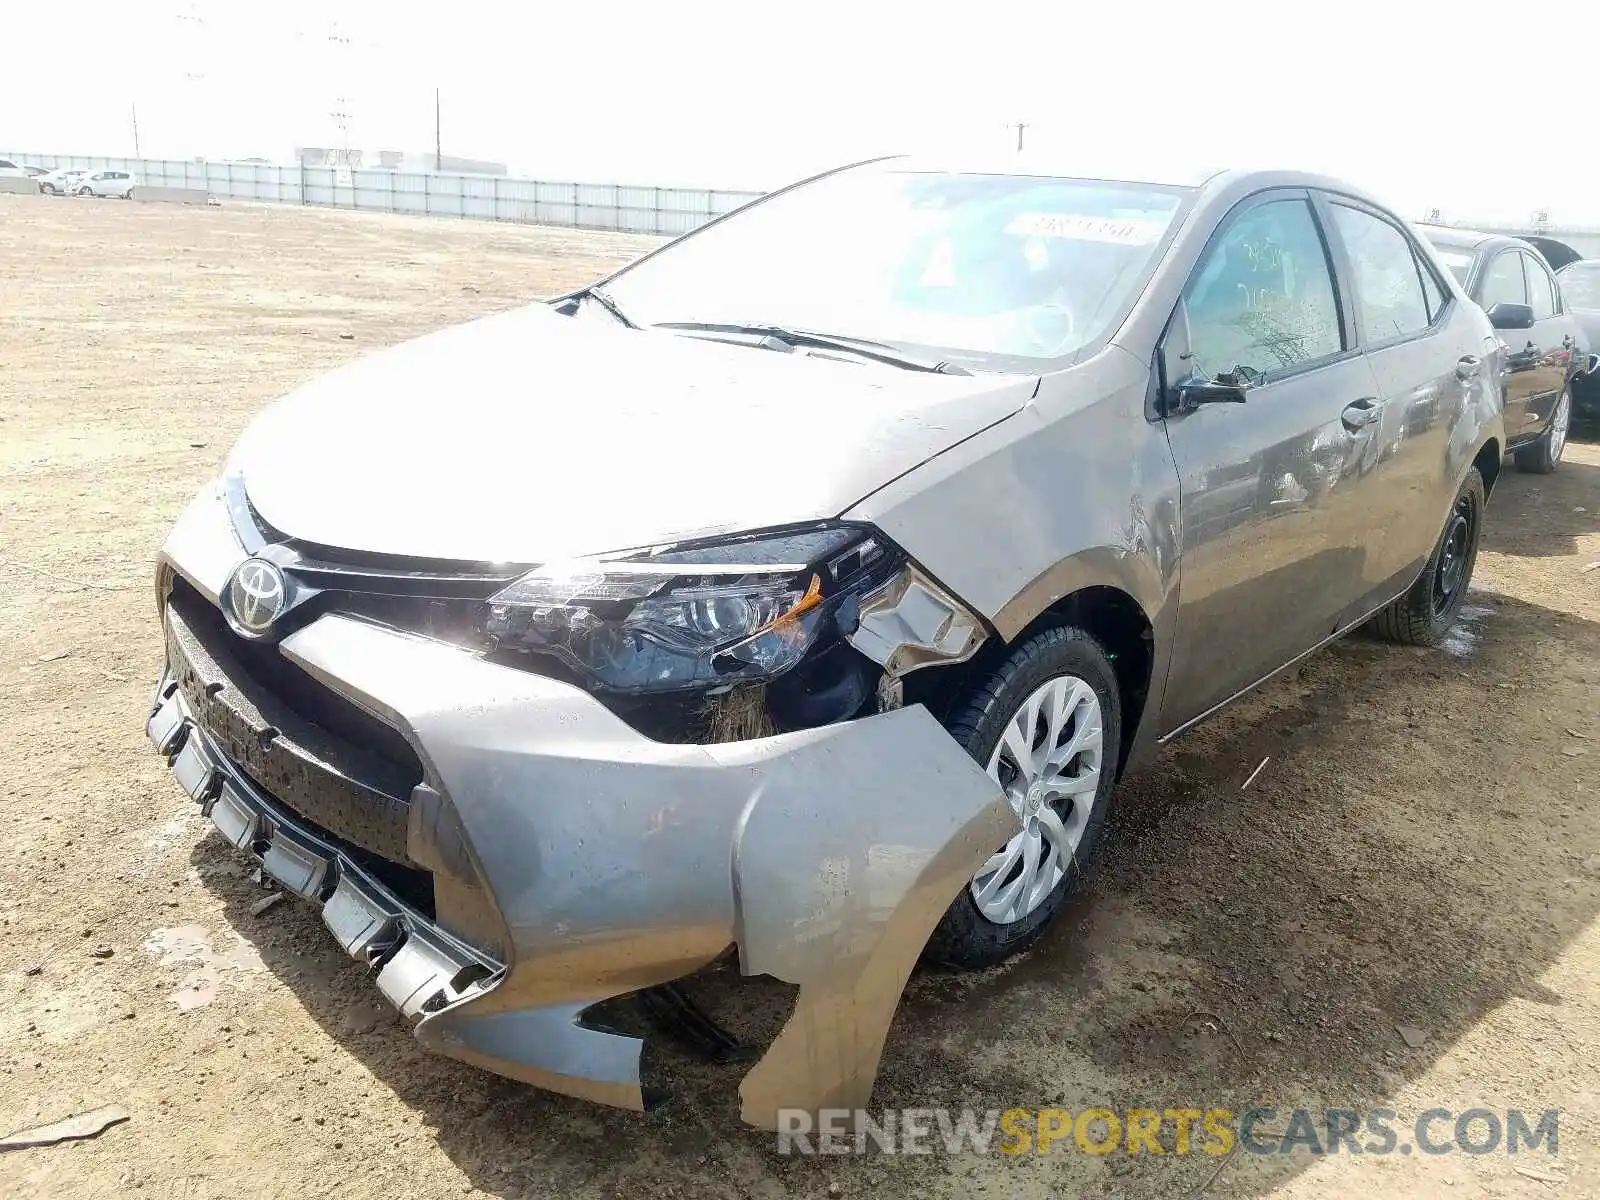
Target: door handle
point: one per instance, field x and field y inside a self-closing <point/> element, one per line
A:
<point x="1467" y="366"/>
<point x="1361" y="413"/>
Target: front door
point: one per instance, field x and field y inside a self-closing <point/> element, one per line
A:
<point x="1554" y="336"/>
<point x="1503" y="283"/>
<point x="1268" y="562"/>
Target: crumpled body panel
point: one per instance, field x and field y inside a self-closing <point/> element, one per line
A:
<point x="589" y="861"/>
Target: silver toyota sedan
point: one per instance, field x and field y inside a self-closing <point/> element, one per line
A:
<point x="797" y="594"/>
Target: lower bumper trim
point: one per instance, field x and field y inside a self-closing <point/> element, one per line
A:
<point x="231" y="814"/>
<point x="420" y="968"/>
<point x="194" y="772"/>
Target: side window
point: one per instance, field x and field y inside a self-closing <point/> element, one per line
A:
<point x="7" y="165"/>
<point x="1541" y="295"/>
<point x="1263" y="298"/>
<point x="1388" y="281"/>
<point x="1503" y="283"/>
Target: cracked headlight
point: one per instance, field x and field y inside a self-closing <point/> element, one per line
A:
<point x="735" y="610"/>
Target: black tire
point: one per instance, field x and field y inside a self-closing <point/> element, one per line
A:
<point x="965" y="937"/>
<point x="1544" y="456"/>
<point x="1425" y="613"/>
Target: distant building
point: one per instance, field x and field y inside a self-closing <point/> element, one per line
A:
<point x="396" y="160"/>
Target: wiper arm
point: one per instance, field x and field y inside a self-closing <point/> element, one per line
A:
<point x="794" y="338"/>
<point x="603" y="298"/>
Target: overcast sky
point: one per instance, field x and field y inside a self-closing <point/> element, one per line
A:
<point x="1429" y="110"/>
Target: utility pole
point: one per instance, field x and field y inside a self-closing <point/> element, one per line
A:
<point x="1020" y="126"/>
<point x="134" y="109"/>
<point x="438" y="152"/>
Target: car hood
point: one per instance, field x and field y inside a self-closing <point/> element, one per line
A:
<point x="530" y="436"/>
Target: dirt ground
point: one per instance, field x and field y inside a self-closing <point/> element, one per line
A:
<point x="1421" y="849"/>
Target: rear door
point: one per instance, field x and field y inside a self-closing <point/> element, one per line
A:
<point x="1272" y="552"/>
<point x="1427" y="353"/>
<point x="1554" y="334"/>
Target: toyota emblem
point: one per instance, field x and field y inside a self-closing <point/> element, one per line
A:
<point x="257" y="595"/>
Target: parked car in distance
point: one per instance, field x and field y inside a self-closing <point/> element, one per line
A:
<point x="35" y="172"/>
<point x="1580" y="289"/>
<point x="105" y="183"/>
<point x="1545" y="347"/>
<point x="61" y="181"/>
<point x="867" y="536"/>
<point x="11" y="170"/>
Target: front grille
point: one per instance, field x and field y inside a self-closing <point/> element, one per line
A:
<point x="315" y="752"/>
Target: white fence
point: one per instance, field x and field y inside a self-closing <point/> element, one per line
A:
<point x="626" y="208"/>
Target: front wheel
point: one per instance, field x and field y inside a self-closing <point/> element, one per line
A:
<point x="1425" y="613"/>
<point x="1046" y="724"/>
<point x="1544" y="455"/>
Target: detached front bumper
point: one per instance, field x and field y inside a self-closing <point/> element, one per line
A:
<point x="572" y="859"/>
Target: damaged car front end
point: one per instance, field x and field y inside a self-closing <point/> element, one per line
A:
<point x="506" y="851"/>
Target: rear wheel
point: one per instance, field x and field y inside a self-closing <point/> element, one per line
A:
<point x="1544" y="455"/>
<point x="1425" y="613"/>
<point x="1046" y="725"/>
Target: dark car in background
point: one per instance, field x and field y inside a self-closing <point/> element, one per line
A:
<point x="1544" y="345"/>
<point x="1580" y="289"/>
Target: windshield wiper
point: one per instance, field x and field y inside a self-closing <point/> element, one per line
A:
<point x="793" y="339"/>
<point x="603" y="298"/>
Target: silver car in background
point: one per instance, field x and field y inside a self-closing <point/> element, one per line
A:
<point x="118" y="184"/>
<point x="800" y="592"/>
<point x="62" y="181"/>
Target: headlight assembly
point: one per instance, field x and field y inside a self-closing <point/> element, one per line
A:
<point x="735" y="610"/>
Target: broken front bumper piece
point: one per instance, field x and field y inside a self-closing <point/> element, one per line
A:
<point x="574" y="860"/>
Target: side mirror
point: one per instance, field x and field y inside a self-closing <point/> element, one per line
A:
<point x="1506" y="315"/>
<point x="1209" y="391"/>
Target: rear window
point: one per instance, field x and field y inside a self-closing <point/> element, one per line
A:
<point x="1457" y="262"/>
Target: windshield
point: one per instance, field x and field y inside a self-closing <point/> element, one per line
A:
<point x="1458" y="262"/>
<point x="1580" y="286"/>
<point x="991" y="271"/>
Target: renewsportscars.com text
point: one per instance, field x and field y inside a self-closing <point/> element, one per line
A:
<point x="1180" y="1131"/>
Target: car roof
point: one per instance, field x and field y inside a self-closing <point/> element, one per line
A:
<point x="1449" y="236"/>
<point x="1136" y="168"/>
<point x="1050" y="166"/>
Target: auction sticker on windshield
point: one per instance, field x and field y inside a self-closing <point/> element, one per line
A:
<point x="1131" y="231"/>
